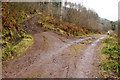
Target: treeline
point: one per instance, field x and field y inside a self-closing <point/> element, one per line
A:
<point x="68" y="12"/>
<point x="76" y="14"/>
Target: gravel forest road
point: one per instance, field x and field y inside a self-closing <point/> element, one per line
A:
<point x="55" y="56"/>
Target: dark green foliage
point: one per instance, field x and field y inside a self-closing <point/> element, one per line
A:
<point x="111" y="66"/>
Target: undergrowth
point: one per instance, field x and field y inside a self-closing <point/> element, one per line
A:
<point x="47" y="22"/>
<point x="111" y="51"/>
<point x="12" y="51"/>
<point x="14" y="39"/>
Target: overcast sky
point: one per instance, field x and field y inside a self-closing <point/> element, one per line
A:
<point x="105" y="8"/>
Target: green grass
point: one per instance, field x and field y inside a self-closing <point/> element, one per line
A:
<point x="11" y="51"/>
<point x="86" y="35"/>
<point x="90" y="34"/>
<point x="111" y="50"/>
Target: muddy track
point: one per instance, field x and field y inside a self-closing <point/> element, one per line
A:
<point x="52" y="56"/>
<point x="86" y="63"/>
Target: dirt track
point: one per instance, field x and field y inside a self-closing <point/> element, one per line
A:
<point x="54" y="56"/>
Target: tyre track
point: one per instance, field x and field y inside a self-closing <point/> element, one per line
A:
<point x="85" y="65"/>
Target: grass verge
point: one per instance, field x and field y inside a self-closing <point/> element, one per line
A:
<point x="110" y="56"/>
<point x="11" y="51"/>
